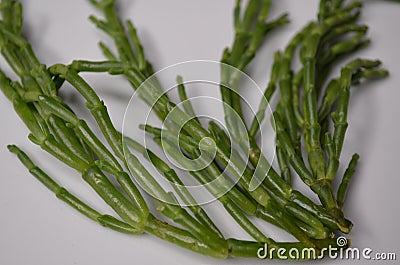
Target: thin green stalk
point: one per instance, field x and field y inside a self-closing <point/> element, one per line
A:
<point x="186" y="104"/>
<point x="331" y="92"/>
<point x="296" y="84"/>
<point x="62" y="194"/>
<point x="285" y="84"/>
<point x="347" y="176"/>
<point x="107" y="52"/>
<point x="283" y="164"/>
<point x="269" y="91"/>
<point x="340" y="116"/>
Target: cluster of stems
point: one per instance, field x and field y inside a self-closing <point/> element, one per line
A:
<point x="310" y="120"/>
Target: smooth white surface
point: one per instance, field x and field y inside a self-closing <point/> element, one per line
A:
<point x="36" y="228"/>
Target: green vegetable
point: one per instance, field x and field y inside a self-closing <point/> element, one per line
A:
<point x="310" y="121"/>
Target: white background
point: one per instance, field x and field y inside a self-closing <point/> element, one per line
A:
<point x="36" y="228"/>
